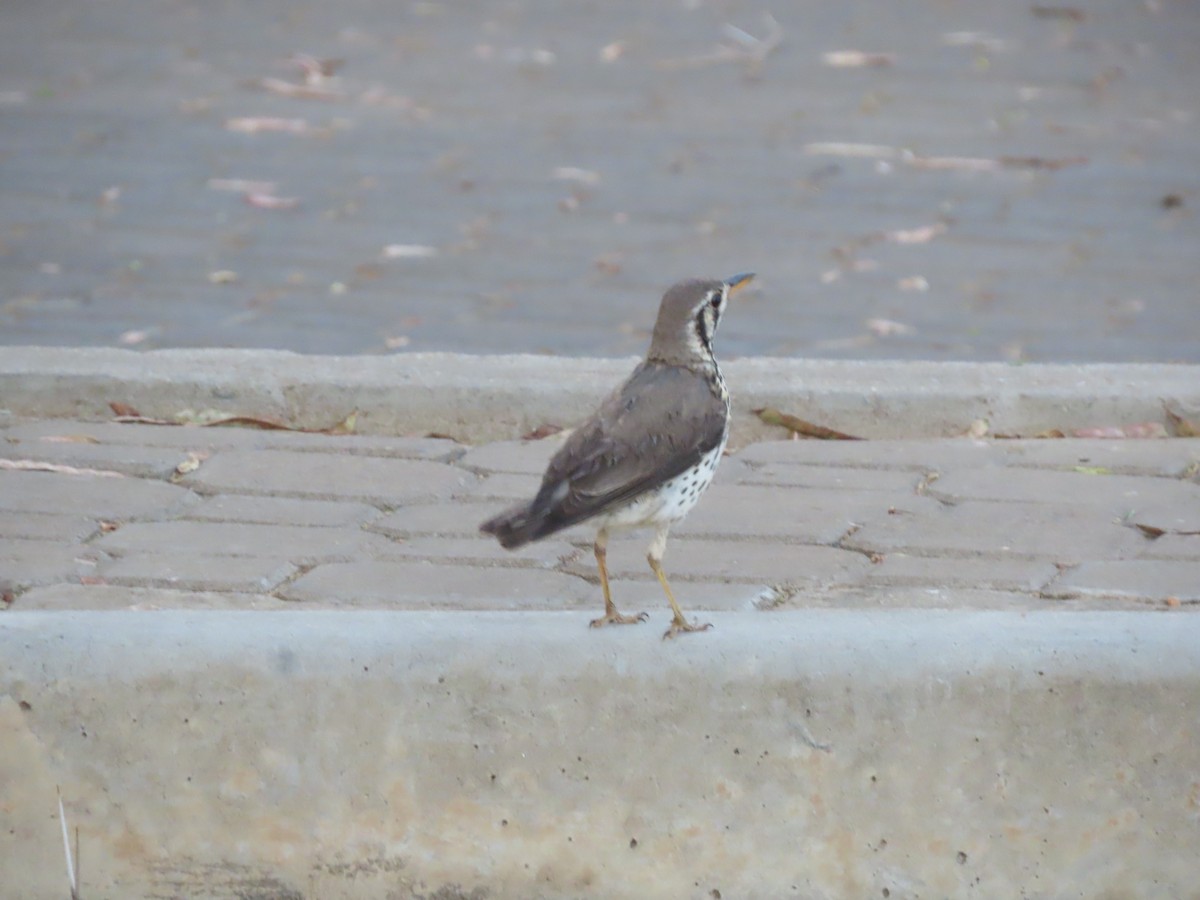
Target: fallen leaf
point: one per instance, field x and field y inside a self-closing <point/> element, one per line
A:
<point x="346" y="426"/>
<point x="106" y="526"/>
<point x="573" y="173"/>
<point x="37" y="465"/>
<point x="1173" y="602"/>
<point x="190" y="464"/>
<point x="800" y="426"/>
<point x="854" y="59"/>
<point x="260" y="200"/>
<point x="133" y="337"/>
<point x="542" y="431"/>
<point x="256" y="124"/>
<point x="922" y="235"/>
<point x="977" y="429"/>
<point x="123" y="409"/>
<point x="887" y="327"/>
<point x="1139" y="430"/>
<point x="300" y="91"/>
<point x="69" y="439"/>
<point x="1092" y="470"/>
<point x="1151" y="531"/>
<point x="612" y="52"/>
<point x="408" y="251"/>
<point x="1180" y="425"/>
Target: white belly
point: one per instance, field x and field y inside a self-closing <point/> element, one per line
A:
<point x="672" y="502"/>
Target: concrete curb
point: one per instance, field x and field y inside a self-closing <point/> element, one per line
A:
<point x="482" y="398"/>
<point x="329" y="755"/>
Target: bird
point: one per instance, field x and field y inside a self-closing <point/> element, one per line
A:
<point x="645" y="456"/>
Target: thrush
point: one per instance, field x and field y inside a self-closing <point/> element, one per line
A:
<point x="647" y="454"/>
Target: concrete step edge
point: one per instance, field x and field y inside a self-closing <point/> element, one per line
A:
<point x="482" y="398"/>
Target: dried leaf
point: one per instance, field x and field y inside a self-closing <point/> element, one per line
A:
<point x="977" y="429"/>
<point x="542" y="431"/>
<point x="300" y="91"/>
<point x="1139" y="430"/>
<point x="256" y="124"/>
<point x="1151" y="531"/>
<point x="575" y="174"/>
<point x="107" y="526"/>
<point x="800" y="426"/>
<point x="123" y="409"/>
<point x="346" y="426"/>
<point x="1180" y="425"/>
<point x="37" y="465"/>
<point x="408" y="251"/>
<point x="260" y="200"/>
<point x="922" y="235"/>
<point x="855" y="59"/>
<point x="888" y="327"/>
<point x="69" y="439"/>
<point x="190" y="464"/>
<point x="1173" y="602"/>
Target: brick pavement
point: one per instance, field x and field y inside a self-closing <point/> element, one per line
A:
<point x="282" y="520"/>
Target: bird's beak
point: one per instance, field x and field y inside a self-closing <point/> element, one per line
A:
<point x="737" y="282"/>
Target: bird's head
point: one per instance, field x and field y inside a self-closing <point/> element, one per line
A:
<point x="688" y="318"/>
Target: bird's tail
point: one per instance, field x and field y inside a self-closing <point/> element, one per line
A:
<point x="515" y="527"/>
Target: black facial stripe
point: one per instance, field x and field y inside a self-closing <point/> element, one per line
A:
<point x="702" y="329"/>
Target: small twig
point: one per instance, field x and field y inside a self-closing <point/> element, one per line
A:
<point x="743" y="48"/>
<point x="62" y="818"/>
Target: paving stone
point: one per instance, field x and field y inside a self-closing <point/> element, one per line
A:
<point x="140" y="462"/>
<point x="181" y="437"/>
<point x="194" y="572"/>
<point x="192" y="437"/>
<point x="834" y="477"/>
<point x="696" y="559"/>
<point x="940" y="455"/>
<point x="65" y="529"/>
<point x="949" y="598"/>
<point x="87" y="495"/>
<point x="1173" y="546"/>
<point x="1136" y="579"/>
<point x="281" y="511"/>
<point x="458" y="519"/>
<point x="1170" y="457"/>
<point x="1119" y="494"/>
<point x="425" y="585"/>
<point x="816" y="516"/>
<point x="297" y="543"/>
<point x="483" y="550"/>
<point x="24" y="563"/>
<point x="998" y="530"/>
<point x="941" y="572"/>
<point x="521" y="457"/>
<point x="116" y="597"/>
<point x="503" y="487"/>
<point x="329" y="477"/>
<point x="438" y="449"/>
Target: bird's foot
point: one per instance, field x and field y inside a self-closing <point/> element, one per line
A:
<point x="612" y="617"/>
<point x="683" y="626"/>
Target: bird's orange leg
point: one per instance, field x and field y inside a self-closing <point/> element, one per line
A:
<point x="679" y="625"/>
<point x="611" y="615"/>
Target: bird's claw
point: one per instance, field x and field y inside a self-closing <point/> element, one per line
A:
<point x="681" y="626"/>
<point x="615" y="618"/>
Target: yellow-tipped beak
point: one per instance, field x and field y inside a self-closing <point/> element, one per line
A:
<point x="737" y="282"/>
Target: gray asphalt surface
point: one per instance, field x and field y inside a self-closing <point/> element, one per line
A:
<point x="1068" y="232"/>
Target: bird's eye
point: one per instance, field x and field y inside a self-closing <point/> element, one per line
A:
<point x="715" y="300"/>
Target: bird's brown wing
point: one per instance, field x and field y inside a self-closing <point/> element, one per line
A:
<point x="658" y="424"/>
